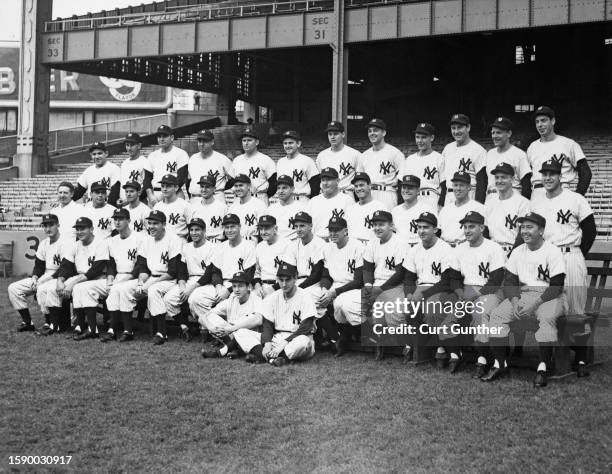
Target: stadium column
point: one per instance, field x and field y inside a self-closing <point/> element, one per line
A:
<point x="34" y="81"/>
<point x="340" y="66"/>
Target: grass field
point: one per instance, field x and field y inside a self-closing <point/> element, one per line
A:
<point x="136" y="407"/>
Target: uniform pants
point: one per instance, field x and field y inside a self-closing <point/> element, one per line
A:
<point x="53" y="300"/>
<point x="155" y="295"/>
<point x="389" y="198"/>
<point x="348" y="308"/>
<point x="42" y="294"/>
<point x="114" y="297"/>
<point x="316" y="292"/>
<point x="300" y="348"/>
<point x="436" y="314"/>
<point x="172" y="297"/>
<point x="19" y="291"/>
<point x="201" y="300"/>
<point x="88" y="293"/>
<point x="481" y="315"/>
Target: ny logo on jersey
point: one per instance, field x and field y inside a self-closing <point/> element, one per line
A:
<point x="277" y="261"/>
<point x="91" y="260"/>
<point x="413" y="226"/>
<point x="429" y="173"/>
<point x="250" y="219"/>
<point x="57" y="259"/>
<point x="213" y="174"/>
<point x="559" y="159"/>
<point x="171" y="167"/>
<point x="134" y="175"/>
<point x="436" y="269"/>
<point x="139" y="225"/>
<point x="173" y="218"/>
<point x="367" y="222"/>
<point x="350" y="265"/>
<point x="298" y="175"/>
<point x="345" y="169"/>
<point x="563" y="217"/>
<point x="164" y="258"/>
<point x="385" y="168"/>
<point x="106" y="182"/>
<point x="254" y="173"/>
<point x="131" y="254"/>
<point x="543" y="273"/>
<point x="297" y="317"/>
<point x="337" y="213"/>
<point x="484" y="270"/>
<point x="291" y="223"/>
<point x="390" y="263"/>
<point x="464" y="164"/>
<point x="103" y="223"/>
<point x="203" y="263"/>
<point x="511" y="221"/>
<point x="241" y="264"/>
<point x="215" y="221"/>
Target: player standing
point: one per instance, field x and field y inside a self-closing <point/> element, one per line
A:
<point x="285" y="209"/>
<point x="101" y="171"/>
<point x="268" y="256"/>
<point x="67" y="211"/>
<point x="359" y="214"/>
<point x="406" y="214"/>
<point x="210" y="209"/>
<point x="301" y="168"/>
<point x="339" y="156"/>
<point x="331" y="203"/>
<point x="136" y="169"/>
<point x="209" y="163"/>
<point x="176" y="209"/>
<point x="167" y="159"/>
<point x="246" y="207"/>
<point x="138" y="210"/>
<point x="99" y="211"/>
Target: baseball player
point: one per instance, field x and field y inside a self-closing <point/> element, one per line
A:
<point x="176" y="209"/>
<point x="425" y="164"/>
<point x="533" y="287"/>
<point x="46" y="263"/>
<point x="138" y="210"/>
<point x="466" y="156"/>
<point x="136" y="169"/>
<point x="480" y="263"/>
<point x="260" y="168"/>
<point x="301" y="168"/>
<point x="101" y="171"/>
<point x="208" y="162"/>
<point x="330" y="203"/>
<point x="123" y="254"/>
<point x="381" y="162"/>
<point x="359" y="214"/>
<point x="565" y="151"/>
<point x="288" y="324"/>
<point x="504" y="207"/>
<point x="286" y="207"/>
<point x="570" y="225"/>
<point x="506" y="152"/>
<point x="242" y="310"/>
<point x="246" y="207"/>
<point x="451" y="214"/>
<point x="67" y="211"/>
<point x="406" y="214"/>
<point x="268" y="256"/>
<point x="99" y="211"/>
<point x="167" y="159"/>
<point x="210" y="209"/>
<point x="340" y="157"/>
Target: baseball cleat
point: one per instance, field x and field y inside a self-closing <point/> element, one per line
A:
<point x="186" y="335"/>
<point x="235" y="354"/>
<point x="481" y="371"/>
<point x="407" y="354"/>
<point x="253" y="359"/>
<point x="340" y="348"/>
<point x="494" y="374"/>
<point x="158" y="340"/>
<point x="582" y="371"/>
<point x="85" y="335"/>
<point x="46" y="331"/>
<point x="210" y="353"/>
<point x="107" y="337"/>
<point x="454" y="365"/>
<point x="540" y="379"/>
<point x="441" y="361"/>
<point x="23" y="327"/>
<point x="279" y="361"/>
<point x="380" y="353"/>
<point x="126" y="336"/>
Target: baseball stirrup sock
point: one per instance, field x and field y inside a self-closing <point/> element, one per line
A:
<point x="126" y="317"/>
<point x="25" y="316"/>
<point x="47" y="318"/>
<point x="115" y="319"/>
<point x="161" y="324"/>
<point x="257" y="350"/>
<point x="90" y="313"/>
<point x="80" y="317"/>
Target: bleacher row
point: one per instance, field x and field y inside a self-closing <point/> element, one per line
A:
<point x="24" y="200"/>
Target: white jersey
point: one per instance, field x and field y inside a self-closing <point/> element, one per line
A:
<point x="563" y="150"/>
<point x="178" y="215"/>
<point x="426" y="167"/>
<point x="212" y="214"/>
<point x="359" y="219"/>
<point x="563" y="215"/>
<point x="381" y="165"/>
<point x="258" y="167"/>
<point x="502" y="217"/>
<point x="52" y="253"/>
<point x="231" y="260"/>
<point x="159" y="252"/>
<point x="109" y="174"/>
<point x="134" y="170"/>
<point x="429" y="264"/>
<point x="385" y="257"/>
<point x="452" y="230"/>
<point x="515" y="157"/>
<point x="304" y="257"/>
<point x="125" y="251"/>
<point x="535" y="268"/>
<point x="477" y="263"/>
<point x="217" y="166"/>
<point x="67" y="216"/>
<point x="249" y="214"/>
<point x="287" y="314"/>
<point x="167" y="163"/>
<point x="268" y="258"/>
<point x="404" y="220"/>
<point x="284" y="215"/>
<point x="102" y="218"/>
<point x="83" y="256"/>
<point x="469" y="158"/>
<point x="344" y="161"/>
<point x="301" y="168"/>
<point x="341" y="263"/>
<point x="322" y="209"/>
<point x="198" y="258"/>
<point x="138" y="217"/>
<point x="233" y="311"/>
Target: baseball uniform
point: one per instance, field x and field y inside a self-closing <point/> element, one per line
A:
<point x="267" y="259"/>
<point x="109" y="174"/>
<point x="123" y="254"/>
<point x="260" y="168"/>
<point x="359" y="219"/>
<point x="501" y="216"/>
<point x="516" y="158"/>
<point x="217" y="166"/>
<point x="138" y="217"/>
<point x="404" y="220"/>
<point x="469" y="158"/>
<point x="102" y="218"/>
<point x="344" y="161"/>
<point x="249" y="213"/>
<point x="178" y="213"/>
<point x="301" y="168"/>
<point x="304" y="257"/>
<point x="451" y="214"/>
<point x="134" y="171"/>
<point x="427" y="168"/>
<point x="231" y="311"/>
<point x="382" y="166"/>
<point x="322" y="209"/>
<point x="212" y="214"/>
<point x="67" y="216"/>
<point x="284" y="214"/>
<point x="163" y="163"/>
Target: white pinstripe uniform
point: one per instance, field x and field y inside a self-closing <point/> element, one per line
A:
<point x="404" y="220"/>
<point x="359" y="219"/>
<point x="284" y="214"/>
<point x="178" y="214"/>
<point x="67" y="216"/>
<point x="109" y="174"/>
<point x="502" y="218"/>
<point x="217" y="166"/>
<point x="134" y="171"/>
<point x="259" y="167"/>
<point x="322" y="209"/>
<point x="450" y="217"/>
<point x="124" y="252"/>
<point x="249" y="213"/>
<point x="267" y="259"/>
<point x="138" y="217"/>
<point x="163" y="163"/>
<point x="469" y="158"/>
<point x="212" y="214"/>
<point x="516" y="158"/>
<point x="301" y="168"/>
<point x="382" y="166"/>
<point x="344" y="161"/>
<point x="231" y="311"/>
<point x="427" y="168"/>
<point x="102" y="218"/>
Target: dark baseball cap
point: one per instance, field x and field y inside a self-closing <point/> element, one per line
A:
<point x="361" y="177"/>
<point x="242" y="178"/>
<point x="533" y="217"/>
<point x="158" y="216"/>
<point x="425" y="129"/>
<point x="98" y="186"/>
<point x="303" y="217"/>
<point x="474" y="217"/>
<point x="284" y="179"/>
<point x="164" y="130"/>
<point x="50" y="219"/>
<point x="461" y="119"/>
<point x="462" y="176"/>
<point x="121" y="213"/>
<point x="428" y="217"/>
<point x="169" y="179"/>
<point x="502" y="123"/>
<point x="83" y="222"/>
<point x="543" y="110"/>
<point x="97" y="146"/>
<point x="230" y="219"/>
<point x="335" y="126"/>
<point x="207" y="180"/>
<point x="329" y="173"/>
<point x="376" y="122"/>
<point x="382" y="216"/>
<point x="240" y="277"/>
<point x="285" y="269"/>
<point x="132" y="184"/>
<point x="197" y="221"/>
<point x="411" y="180"/>
<point x="503" y="168"/>
<point x="266" y="221"/>
<point x="206" y="135"/>
<point x="337" y="223"/>
<point x="133" y="138"/>
<point x="292" y="134"/>
<point x="250" y="132"/>
<point x="551" y="165"/>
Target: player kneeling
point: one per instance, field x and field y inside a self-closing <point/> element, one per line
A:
<point x="288" y="324"/>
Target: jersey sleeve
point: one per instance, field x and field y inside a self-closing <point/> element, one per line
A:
<point x="115" y="175"/>
<point x="523" y="165"/>
<point x="249" y="258"/>
<point x="523" y="208"/>
<point x="182" y="158"/>
<point x="70" y="253"/>
<point x="360" y="167"/>
<point x="480" y="160"/>
<point x="102" y="252"/>
<point x="227" y="165"/>
<point x="368" y="252"/>
<point x="270" y="167"/>
<point x="359" y="251"/>
<point x="584" y="208"/>
<point x="498" y="259"/>
<point x="174" y="248"/>
<point x="576" y="153"/>
<point x="308" y="307"/>
<point x="512" y="264"/>
<point x="267" y="308"/>
<point x="555" y="261"/>
<point x="398" y="158"/>
<point x="311" y="169"/>
<point x="41" y="251"/>
<point x="409" y="262"/>
<point x="82" y="180"/>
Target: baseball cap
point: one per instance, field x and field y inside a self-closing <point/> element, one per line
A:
<point x="207" y="180"/>
<point x="474" y="217"/>
<point x="133" y="138"/>
<point x="132" y="184"/>
<point x="337" y="223"/>
<point x="425" y="129"/>
<point x="382" y="216"/>
<point x="461" y="119"/>
<point x="169" y="179"/>
<point x="249" y="132"/>
<point x="121" y="213"/>
<point x="462" y="176"/>
<point x="543" y="110"/>
<point x="242" y="178"/>
<point x="83" y="222"/>
<point x="205" y="135"/>
<point x="503" y="123"/>
<point x="533" y="217"/>
<point x="329" y="173"/>
<point x="230" y="219"/>
<point x="428" y="217"/>
<point x="361" y="177"/>
<point x="97" y="146"/>
<point x="285" y="269"/>
<point x="284" y="179"/>
<point x="376" y="122"/>
<point x="266" y="221"/>
<point x="98" y="186"/>
<point x="197" y="221"/>
<point x="292" y="134"/>
<point x="240" y="277"/>
<point x="411" y="180"/>
<point x="551" y="165"/>
<point x="164" y="130"/>
<point x="303" y="217"/>
<point x="334" y="126"/>
<point x="50" y="219"/>
<point x="504" y="168"/>
<point x="158" y="216"/>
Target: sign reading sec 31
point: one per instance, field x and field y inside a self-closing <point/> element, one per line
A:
<point x="319" y="28"/>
